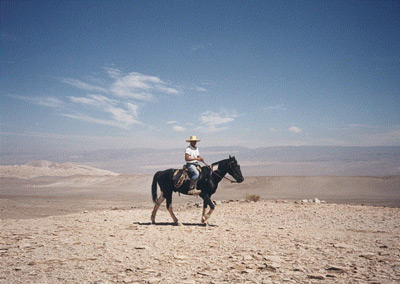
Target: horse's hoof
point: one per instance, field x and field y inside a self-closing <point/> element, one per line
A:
<point x="178" y="223"/>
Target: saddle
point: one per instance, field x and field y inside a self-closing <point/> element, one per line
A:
<point x="180" y="175"/>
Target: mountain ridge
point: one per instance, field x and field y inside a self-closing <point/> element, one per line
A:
<point x="263" y="161"/>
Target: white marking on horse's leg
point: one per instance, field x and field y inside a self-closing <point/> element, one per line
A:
<point x="173" y="215"/>
<point x="208" y="215"/>
<point x="203" y="216"/>
<point x="160" y="200"/>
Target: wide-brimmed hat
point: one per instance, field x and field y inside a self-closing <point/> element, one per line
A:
<point x="193" y="138"/>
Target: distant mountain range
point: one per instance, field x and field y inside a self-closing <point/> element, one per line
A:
<point x="267" y="161"/>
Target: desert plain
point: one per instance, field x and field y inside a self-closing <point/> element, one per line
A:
<point x="75" y="224"/>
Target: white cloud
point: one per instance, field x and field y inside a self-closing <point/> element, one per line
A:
<point x="95" y="120"/>
<point x="168" y="90"/>
<point x="42" y="101"/>
<point x="82" y="100"/>
<point x="132" y="108"/>
<point x="212" y="121"/>
<point x="276" y="107"/>
<point x="213" y="118"/>
<point x="84" y="86"/>
<point x="295" y="129"/>
<point x="200" y="89"/>
<point x="138" y="81"/>
<point x="133" y="85"/>
<point x="273" y="130"/>
<point x="122" y="90"/>
<point x="113" y="72"/>
<point x="119" y="98"/>
<point x="50" y="102"/>
<point x="140" y="87"/>
<point x="113" y="101"/>
<point x="178" y="128"/>
<point x="123" y="117"/>
<point x="94" y="100"/>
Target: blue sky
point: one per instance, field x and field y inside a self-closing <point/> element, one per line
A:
<point x="87" y="75"/>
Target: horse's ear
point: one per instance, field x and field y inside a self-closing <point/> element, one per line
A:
<point x="230" y="157"/>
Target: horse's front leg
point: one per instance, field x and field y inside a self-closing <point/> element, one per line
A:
<point x="207" y="201"/>
<point x="176" y="222"/>
<point x="203" y="215"/>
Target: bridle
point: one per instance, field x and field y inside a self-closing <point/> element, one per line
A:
<point x="221" y="177"/>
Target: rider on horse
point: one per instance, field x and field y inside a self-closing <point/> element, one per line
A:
<point x="192" y="158"/>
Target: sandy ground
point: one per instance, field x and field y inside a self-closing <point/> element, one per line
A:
<point x="263" y="242"/>
<point x="85" y="229"/>
<point x="49" y="196"/>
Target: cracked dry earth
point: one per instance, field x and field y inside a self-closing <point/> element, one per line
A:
<point x="263" y="242"/>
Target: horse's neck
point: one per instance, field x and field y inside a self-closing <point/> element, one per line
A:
<point x="221" y="171"/>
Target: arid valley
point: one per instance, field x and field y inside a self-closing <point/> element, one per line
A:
<point x="77" y="224"/>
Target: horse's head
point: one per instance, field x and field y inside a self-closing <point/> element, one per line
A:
<point x="234" y="170"/>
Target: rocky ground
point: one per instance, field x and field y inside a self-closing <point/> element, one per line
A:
<point x="262" y="242"/>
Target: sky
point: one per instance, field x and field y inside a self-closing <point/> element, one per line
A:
<point x="89" y="75"/>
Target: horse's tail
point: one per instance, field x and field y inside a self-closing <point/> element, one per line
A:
<point x="154" y="187"/>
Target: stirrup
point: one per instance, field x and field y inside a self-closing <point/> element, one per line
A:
<point x="194" y="192"/>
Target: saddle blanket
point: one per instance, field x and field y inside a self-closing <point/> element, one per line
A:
<point x="180" y="175"/>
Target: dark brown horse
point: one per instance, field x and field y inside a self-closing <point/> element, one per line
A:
<point x="209" y="178"/>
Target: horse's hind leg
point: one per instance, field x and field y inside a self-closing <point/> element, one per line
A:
<point x="171" y="212"/>
<point x="160" y="200"/>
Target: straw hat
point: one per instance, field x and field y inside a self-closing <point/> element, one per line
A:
<point x="193" y="138"/>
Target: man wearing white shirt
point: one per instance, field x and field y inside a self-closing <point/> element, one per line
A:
<point x="192" y="158"/>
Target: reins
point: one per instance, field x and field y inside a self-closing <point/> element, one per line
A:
<point x="212" y="171"/>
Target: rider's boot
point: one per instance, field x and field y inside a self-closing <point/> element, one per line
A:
<point x="192" y="187"/>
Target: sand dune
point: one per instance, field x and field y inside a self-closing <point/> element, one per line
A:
<point x="46" y="168"/>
